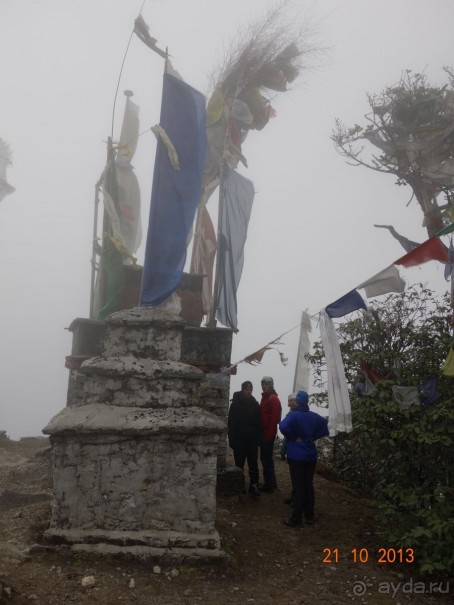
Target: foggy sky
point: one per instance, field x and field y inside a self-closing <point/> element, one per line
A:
<point x="311" y="237"/>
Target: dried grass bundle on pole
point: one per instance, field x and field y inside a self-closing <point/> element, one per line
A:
<point x="267" y="56"/>
<point x="269" y="53"/>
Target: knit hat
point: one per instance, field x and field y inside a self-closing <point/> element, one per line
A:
<point x="302" y="398"/>
<point x="268" y="380"/>
<point x="292" y="396"/>
<point x="246" y="383"/>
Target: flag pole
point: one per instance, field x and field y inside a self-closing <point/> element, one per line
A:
<point x="95" y="252"/>
<point x="98" y="186"/>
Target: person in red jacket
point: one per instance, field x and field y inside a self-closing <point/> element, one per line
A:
<point x="270" y="412"/>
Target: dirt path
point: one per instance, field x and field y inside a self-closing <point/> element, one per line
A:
<point x="269" y="563"/>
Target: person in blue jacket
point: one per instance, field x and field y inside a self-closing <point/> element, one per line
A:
<point x="301" y="429"/>
<point x="291" y="405"/>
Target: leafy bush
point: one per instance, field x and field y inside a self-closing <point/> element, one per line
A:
<point x="404" y="457"/>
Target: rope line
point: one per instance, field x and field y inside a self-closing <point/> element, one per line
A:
<point x="121" y="72"/>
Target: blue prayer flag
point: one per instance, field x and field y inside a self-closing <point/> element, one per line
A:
<point x="237" y="197"/>
<point x="177" y="184"/>
<point x="346" y="304"/>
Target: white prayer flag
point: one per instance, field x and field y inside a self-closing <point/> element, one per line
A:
<point x="388" y="280"/>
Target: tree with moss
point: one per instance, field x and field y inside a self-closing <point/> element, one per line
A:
<point x="410" y="134"/>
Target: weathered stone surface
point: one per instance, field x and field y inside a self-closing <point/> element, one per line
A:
<point x="149" y="369"/>
<point x="214" y="398"/>
<point x="109" y="482"/>
<point x="135" y="458"/>
<point x="101" y="418"/>
<point x="207" y="346"/>
<point x="147" y="332"/>
<point x="144" y="317"/>
<point x="130" y="381"/>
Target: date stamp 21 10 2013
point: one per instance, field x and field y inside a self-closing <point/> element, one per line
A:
<point x="364" y="555"/>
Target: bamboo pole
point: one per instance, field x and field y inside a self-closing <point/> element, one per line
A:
<point x="94" y="252"/>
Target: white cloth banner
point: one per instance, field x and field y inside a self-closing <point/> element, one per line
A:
<point x="340" y="414"/>
<point x="128" y="185"/>
<point x="302" y="368"/>
<point x="112" y="213"/>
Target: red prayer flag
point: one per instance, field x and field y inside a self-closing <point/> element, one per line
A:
<point x="432" y="249"/>
<point x="372" y="373"/>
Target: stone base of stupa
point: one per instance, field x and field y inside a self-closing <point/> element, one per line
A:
<point x="134" y="462"/>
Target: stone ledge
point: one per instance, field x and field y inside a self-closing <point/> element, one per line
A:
<point x="73" y="362"/>
<point x="154" y="538"/>
<point x="150" y="369"/>
<point x="175" y="547"/>
<point x="102" y="419"/>
<point x="144" y="316"/>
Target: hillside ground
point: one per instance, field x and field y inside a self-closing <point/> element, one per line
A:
<point x="268" y="562"/>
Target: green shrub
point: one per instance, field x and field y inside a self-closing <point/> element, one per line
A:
<point x="402" y="457"/>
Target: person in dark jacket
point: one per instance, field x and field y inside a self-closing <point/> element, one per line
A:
<point x="245" y="433"/>
<point x="270" y="411"/>
<point x="301" y="428"/>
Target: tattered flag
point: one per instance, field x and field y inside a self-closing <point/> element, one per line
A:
<point x="256" y="357"/>
<point x="142" y="31"/>
<point x="388" y="280"/>
<point x="348" y="303"/>
<point x="407" y="244"/>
